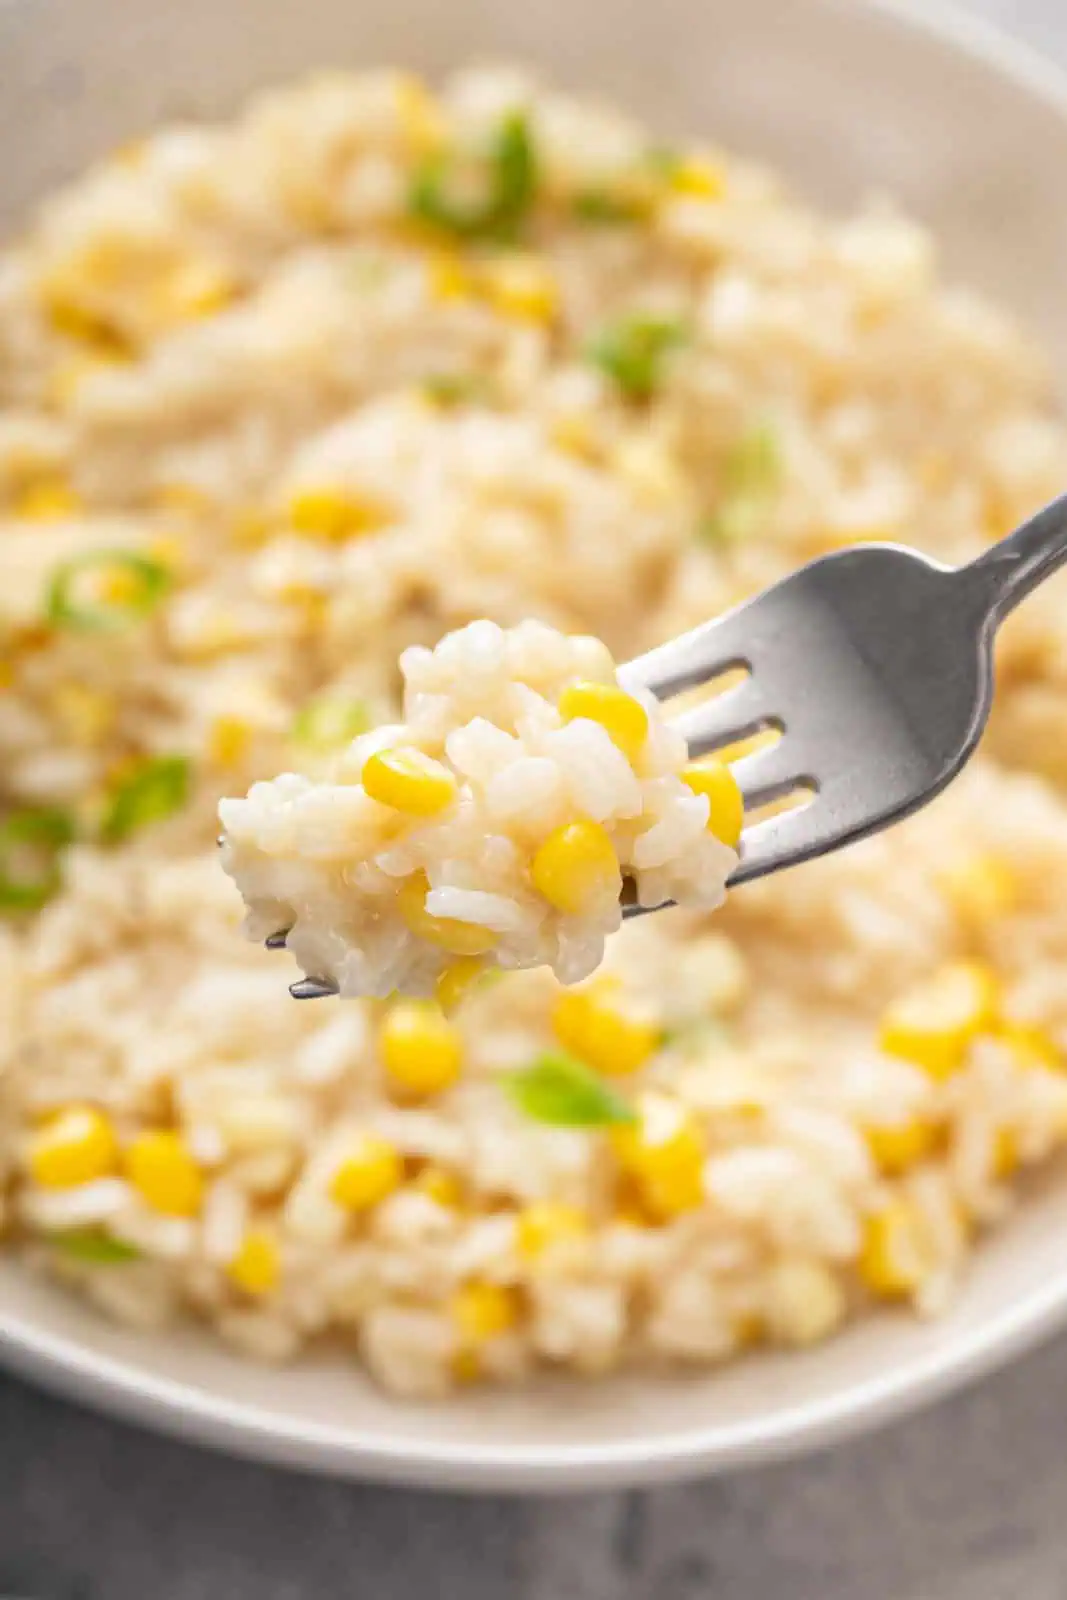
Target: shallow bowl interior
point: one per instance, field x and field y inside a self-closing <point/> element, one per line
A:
<point x="846" y="98"/>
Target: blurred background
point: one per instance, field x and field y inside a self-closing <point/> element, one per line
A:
<point x="969" y="1500"/>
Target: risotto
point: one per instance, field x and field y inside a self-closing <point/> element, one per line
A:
<point x="494" y="826"/>
<point x="283" y="399"/>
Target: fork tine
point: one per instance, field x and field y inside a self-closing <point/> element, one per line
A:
<point x="697" y="657"/>
<point x="787" y="839"/>
<point x="732" y="715"/>
<point x="768" y="774"/>
<point x="313" y="989"/>
<point x="276" y="941"/>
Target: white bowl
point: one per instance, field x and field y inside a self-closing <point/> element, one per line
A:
<point x="972" y="135"/>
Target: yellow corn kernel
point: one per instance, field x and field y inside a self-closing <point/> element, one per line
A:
<point x="256" y="1268"/>
<point x="895" y="1257"/>
<point x="229" y="740"/>
<point x="338" y="514"/>
<point x="1031" y="1048"/>
<point x="449" y="278"/>
<point x="192" y="290"/>
<point x="698" y="178"/>
<point x="664" y="1155"/>
<point x="1006" y="1158"/>
<point x="896" y="1146"/>
<point x="979" y="890"/>
<point x="619" y="714"/>
<point x="458" y="938"/>
<point x="7" y="674"/>
<point x="75" y="1146"/>
<point x="161" y="1168"/>
<point x="726" y="807"/>
<point x="650" y="470"/>
<point x="167" y="552"/>
<point x="807" y="1302"/>
<point x="47" y="500"/>
<point x="457" y="980"/>
<point x="575" y="432"/>
<point x="409" y="781"/>
<point x="576" y="868"/>
<point x="466" y="1367"/>
<point x="593" y="1026"/>
<point x="421" y="118"/>
<point x="422" y="1052"/>
<point x="367" y="1175"/>
<point x="85" y="715"/>
<point x="483" y="1311"/>
<point x="250" y="528"/>
<point x="440" y="1186"/>
<point x="522" y="286"/>
<point x="935" y="1023"/>
<point x="547" y="1223"/>
<point x="185" y="497"/>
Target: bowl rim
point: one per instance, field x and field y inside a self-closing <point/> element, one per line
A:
<point x="62" y="1364"/>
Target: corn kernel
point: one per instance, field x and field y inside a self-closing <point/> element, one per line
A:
<point x="251" y="528"/>
<point x="440" y="1186"/>
<point x="164" y="1173"/>
<point x="457" y="980"/>
<point x="575" y="433"/>
<point x="458" y="938"/>
<point x="576" y="868"/>
<point x="48" y="500"/>
<point x="619" y="714"/>
<point x="75" y="1146"/>
<point x="698" y="178"/>
<point x="483" y="1311"/>
<point x="592" y="1026"/>
<point x="1006" y="1157"/>
<point x="421" y="118"/>
<point x="979" y="890"/>
<point x="409" y="781"/>
<point x="422" y="1052"/>
<point x="85" y="715"/>
<point x="935" y="1024"/>
<point x="896" y="1255"/>
<point x="726" y="806"/>
<point x="466" y="1367"/>
<point x="664" y="1156"/>
<point x="256" y="1267"/>
<point x="650" y="470"/>
<point x="192" y="290"/>
<point x="808" y="1303"/>
<point x="449" y="278"/>
<point x="184" y="497"/>
<point x="229" y="740"/>
<point x="522" y="286"/>
<point x="896" y="1146"/>
<point x="546" y="1224"/>
<point x="1031" y="1048"/>
<point x="338" y="514"/>
<point x="366" y="1176"/>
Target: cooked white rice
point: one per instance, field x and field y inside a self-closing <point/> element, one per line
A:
<point x="332" y="432"/>
<point x="501" y="819"/>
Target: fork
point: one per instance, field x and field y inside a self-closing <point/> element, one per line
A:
<point x="874" y="666"/>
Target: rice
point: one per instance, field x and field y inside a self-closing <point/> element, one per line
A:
<point x="505" y="836"/>
<point x="263" y="433"/>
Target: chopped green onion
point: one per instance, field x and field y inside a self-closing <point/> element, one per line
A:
<point x="93" y="1247"/>
<point x="511" y="187"/>
<point x="140" y="585"/>
<point x="156" y="788"/>
<point x="31" y="849"/>
<point x="663" y="160"/>
<point x="331" y="721"/>
<point x="456" y="389"/>
<point x="634" y="351"/>
<point x="561" y="1091"/>
<point x="752" y="476"/>
<point x="601" y="207"/>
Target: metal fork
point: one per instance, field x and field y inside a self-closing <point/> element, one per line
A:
<point x="875" y="667"/>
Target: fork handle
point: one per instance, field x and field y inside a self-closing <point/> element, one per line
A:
<point x="1013" y="568"/>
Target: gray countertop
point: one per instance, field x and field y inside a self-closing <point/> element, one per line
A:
<point x="968" y="1502"/>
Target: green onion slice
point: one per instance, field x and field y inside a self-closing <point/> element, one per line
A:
<point x="156" y="788"/>
<point x="93" y="1247"/>
<point x="511" y="187"/>
<point x="71" y="602"/>
<point x="32" y="843"/>
<point x="330" y="720"/>
<point x="559" y="1090"/>
<point x="633" y="352"/>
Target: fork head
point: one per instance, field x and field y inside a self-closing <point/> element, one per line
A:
<point x="873" y="664"/>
